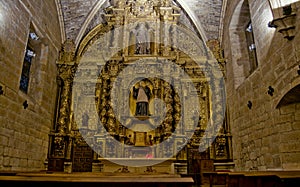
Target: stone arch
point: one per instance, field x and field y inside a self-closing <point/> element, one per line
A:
<point x="291" y="97"/>
<point x="84" y="43"/>
<point x="288" y="105"/>
<point x="286" y="93"/>
<point x="61" y="21"/>
<point x="239" y="49"/>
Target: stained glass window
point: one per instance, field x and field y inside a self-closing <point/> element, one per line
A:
<point x="24" y="82"/>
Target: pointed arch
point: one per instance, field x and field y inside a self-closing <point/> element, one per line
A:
<point x="194" y="18"/>
<point x="240" y="61"/>
<point x="88" y="20"/>
<point x="61" y="21"/>
<point x="292" y="96"/>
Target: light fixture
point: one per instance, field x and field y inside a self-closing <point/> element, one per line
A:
<point x="281" y="3"/>
<point x="298" y="70"/>
<point x="284" y="17"/>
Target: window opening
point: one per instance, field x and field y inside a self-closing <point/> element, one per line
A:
<point x="251" y="47"/>
<point x="29" y="56"/>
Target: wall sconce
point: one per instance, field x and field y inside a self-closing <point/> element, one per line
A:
<point x="271" y="91"/>
<point x="25" y="104"/>
<point x="298" y="70"/>
<point x="249" y="104"/>
<point x="284" y="17"/>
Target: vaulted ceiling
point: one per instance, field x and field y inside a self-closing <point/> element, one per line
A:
<point x="77" y="17"/>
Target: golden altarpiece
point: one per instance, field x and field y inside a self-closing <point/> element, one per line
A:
<point x="137" y="114"/>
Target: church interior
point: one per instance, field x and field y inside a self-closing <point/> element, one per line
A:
<point x="150" y="92"/>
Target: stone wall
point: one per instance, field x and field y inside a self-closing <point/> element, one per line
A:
<point x="265" y="137"/>
<point x="24" y="132"/>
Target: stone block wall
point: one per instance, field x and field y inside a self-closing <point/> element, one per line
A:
<point x="209" y="13"/>
<point x="24" y="132"/>
<point x="265" y="137"/>
<point x="75" y="12"/>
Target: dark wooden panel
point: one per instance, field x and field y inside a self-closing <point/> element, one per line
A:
<point x="88" y="181"/>
<point x="55" y="165"/>
<point x="82" y="159"/>
<point x="254" y="179"/>
<point x="194" y="161"/>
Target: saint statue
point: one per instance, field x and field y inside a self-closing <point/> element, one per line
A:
<point x="142" y="95"/>
<point x="142" y="39"/>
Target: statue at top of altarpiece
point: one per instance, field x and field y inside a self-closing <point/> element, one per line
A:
<point x="142" y="38"/>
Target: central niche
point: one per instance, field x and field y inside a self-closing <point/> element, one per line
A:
<point x="142" y="107"/>
<point x="140" y="98"/>
<point x="150" y="116"/>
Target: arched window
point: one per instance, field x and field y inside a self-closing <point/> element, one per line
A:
<point x="30" y="54"/>
<point x="34" y="64"/>
<point x="243" y="49"/>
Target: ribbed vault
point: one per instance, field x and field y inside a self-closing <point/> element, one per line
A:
<point x="78" y="17"/>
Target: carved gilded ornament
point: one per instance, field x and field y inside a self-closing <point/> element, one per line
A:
<point x="67" y="53"/>
<point x="215" y="47"/>
<point x="59" y="146"/>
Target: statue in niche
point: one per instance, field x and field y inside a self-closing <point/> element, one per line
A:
<point x="142" y="95"/>
<point x="142" y="38"/>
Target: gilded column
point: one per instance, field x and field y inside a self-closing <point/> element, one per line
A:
<point x="215" y="47"/>
<point x="65" y="100"/>
<point x="66" y="72"/>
